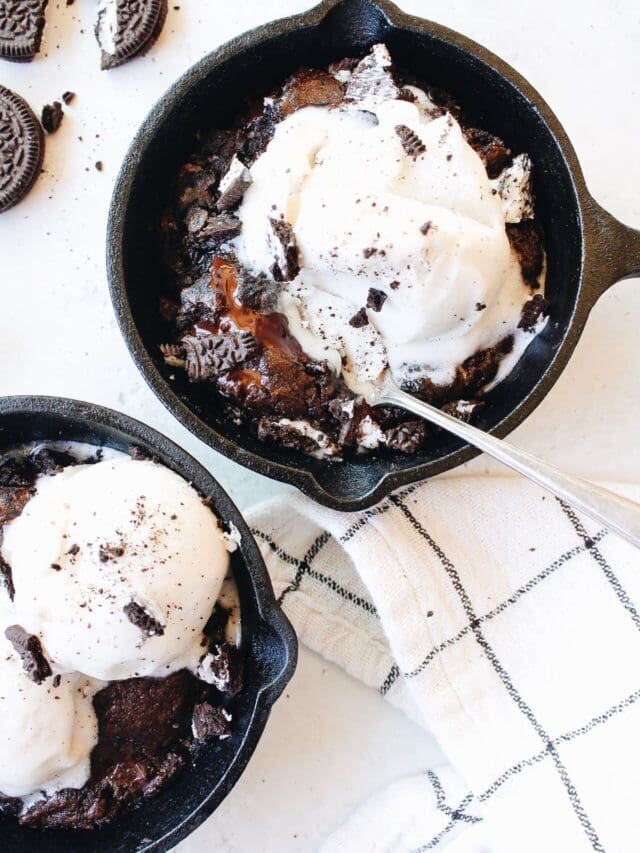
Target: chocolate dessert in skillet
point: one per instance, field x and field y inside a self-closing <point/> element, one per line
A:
<point x="120" y="632"/>
<point x="352" y="224"/>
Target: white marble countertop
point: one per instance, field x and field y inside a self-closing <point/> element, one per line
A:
<point x="330" y="742"/>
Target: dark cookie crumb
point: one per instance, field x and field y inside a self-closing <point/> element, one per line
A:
<point x="532" y="311"/>
<point x="369" y="252"/>
<point x="141" y="618"/>
<point x="99" y="165"/>
<point x="287" y="263"/>
<point x="359" y="319"/>
<point x="376" y="299"/>
<point x="56" y="680"/>
<point x="107" y="553"/>
<point x="56" y="567"/>
<point x="29" y="647"/>
<point x="394" y="285"/>
<point x="52" y="116"/>
<point x="7" y="577"/>
<point x="209" y="721"/>
<point x="68" y="97"/>
<point x="425" y="228"/>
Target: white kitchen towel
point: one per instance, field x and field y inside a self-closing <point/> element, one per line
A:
<point x="504" y="623"/>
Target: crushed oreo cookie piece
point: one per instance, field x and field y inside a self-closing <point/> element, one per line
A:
<point x="142" y="619"/>
<point x="68" y="97"/>
<point x="410" y="141"/>
<point x="21" y="26"/>
<point x="21" y="148"/>
<point x="221" y="666"/>
<point x="376" y="299"/>
<point x="286" y="265"/>
<point x="297" y="435"/>
<point x="201" y="301"/>
<point x="209" y="721"/>
<point x="207" y="356"/>
<point x="526" y="241"/>
<point x="359" y="319"/>
<point x="17" y="472"/>
<point x="493" y="152"/>
<point x="52" y="116"/>
<point x="29" y="648"/>
<point x="371" y="82"/>
<point x="463" y="410"/>
<point x="6" y="575"/>
<point x="173" y="355"/>
<point x="257" y="292"/>
<point x="49" y="461"/>
<point x="310" y="87"/>
<point x="407" y="437"/>
<point x="127" y="28"/>
<point x="233" y="185"/>
<point x="532" y="311"/>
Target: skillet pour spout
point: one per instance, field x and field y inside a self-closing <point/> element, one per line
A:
<point x="587" y="249"/>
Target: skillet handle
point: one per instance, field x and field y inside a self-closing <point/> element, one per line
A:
<point x="612" y="246"/>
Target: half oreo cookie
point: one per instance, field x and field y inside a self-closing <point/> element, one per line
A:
<point x="21" y="25"/>
<point x="21" y="148"/>
<point x="127" y="28"/>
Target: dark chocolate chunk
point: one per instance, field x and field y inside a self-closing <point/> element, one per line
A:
<point x="359" y="319"/>
<point x="52" y="116"/>
<point x="491" y="149"/>
<point x="376" y="299"/>
<point x="141" y="618"/>
<point x="286" y="265"/>
<point x="526" y="241"/>
<point x="408" y="437"/>
<point x="310" y="87"/>
<point x="21" y="26"/>
<point x="208" y="356"/>
<point x="233" y="185"/>
<point x="138" y="24"/>
<point x="209" y="721"/>
<point x="6" y="575"/>
<point x="532" y="311"/>
<point x="67" y="97"/>
<point x="29" y="647"/>
<point x="21" y="148"/>
<point x="410" y="141"/>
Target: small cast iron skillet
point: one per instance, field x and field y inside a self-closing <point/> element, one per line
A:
<point x="588" y="250"/>
<point x="271" y="647"/>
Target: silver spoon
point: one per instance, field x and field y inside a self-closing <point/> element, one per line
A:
<point x="617" y="513"/>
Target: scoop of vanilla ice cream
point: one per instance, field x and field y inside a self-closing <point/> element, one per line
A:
<point x="46" y="732"/>
<point x="116" y="567"/>
<point x="426" y="230"/>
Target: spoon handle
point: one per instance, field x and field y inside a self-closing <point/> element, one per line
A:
<point x="613" y="511"/>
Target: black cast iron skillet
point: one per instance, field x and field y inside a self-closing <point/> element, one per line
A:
<point x="588" y="250"/>
<point x="160" y="823"/>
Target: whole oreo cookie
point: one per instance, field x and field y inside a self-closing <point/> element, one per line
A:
<point x="21" y="25"/>
<point x="127" y="28"/>
<point x="21" y="148"/>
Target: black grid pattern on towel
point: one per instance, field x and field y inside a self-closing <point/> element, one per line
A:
<point x="586" y="544"/>
<point x="395" y="673"/>
<point x="549" y="746"/>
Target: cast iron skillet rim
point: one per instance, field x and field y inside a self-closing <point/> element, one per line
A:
<point x="269" y="613"/>
<point x="292" y="473"/>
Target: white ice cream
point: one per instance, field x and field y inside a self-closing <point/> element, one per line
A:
<point x="428" y="231"/>
<point x="96" y="538"/>
<point x="91" y="540"/>
<point x="46" y="732"/>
